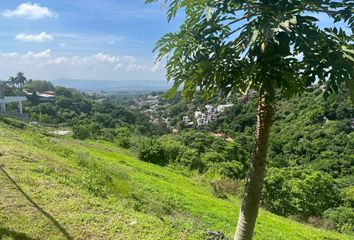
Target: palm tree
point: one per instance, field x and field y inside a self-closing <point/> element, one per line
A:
<point x="12" y="81"/>
<point x="20" y="79"/>
<point x="276" y="47"/>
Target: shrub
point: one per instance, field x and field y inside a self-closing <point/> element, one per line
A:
<point x="46" y="108"/>
<point x="171" y="147"/>
<point x="343" y="217"/>
<point x="227" y="186"/>
<point x="232" y="169"/>
<point x="191" y="159"/>
<point x="277" y="193"/>
<point x="198" y="140"/>
<point x="107" y="134"/>
<point x="348" y="197"/>
<point x="316" y="192"/>
<point x="81" y="131"/>
<point x="150" y="150"/>
<point x="297" y="192"/>
<point x="210" y="158"/>
<point x="123" y="137"/>
<point x="12" y="122"/>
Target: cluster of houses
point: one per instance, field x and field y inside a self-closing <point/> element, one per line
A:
<point x="151" y="101"/>
<point x="207" y="117"/>
<point x="151" y="105"/>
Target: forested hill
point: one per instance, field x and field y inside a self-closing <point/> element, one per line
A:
<point x="311" y="155"/>
<point x="310" y="174"/>
<point x="309" y="131"/>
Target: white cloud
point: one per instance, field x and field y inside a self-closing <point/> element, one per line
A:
<point x="156" y="67"/>
<point x="118" y="66"/>
<point x="38" y="55"/>
<point x="42" y="37"/>
<point x="29" y="11"/>
<point x="47" y="65"/>
<point x="89" y="39"/>
<point x="130" y="59"/>
<point x="135" y="67"/>
<point x="9" y="55"/>
<point x="105" y="58"/>
<point x="58" y="60"/>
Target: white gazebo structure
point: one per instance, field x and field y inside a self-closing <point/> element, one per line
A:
<point x="11" y="99"/>
<point x="18" y="100"/>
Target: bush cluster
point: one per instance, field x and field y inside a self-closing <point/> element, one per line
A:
<point x="199" y="151"/>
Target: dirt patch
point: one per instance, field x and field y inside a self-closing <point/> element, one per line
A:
<point x="61" y="132"/>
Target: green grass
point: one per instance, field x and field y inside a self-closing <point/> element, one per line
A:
<point x="60" y="188"/>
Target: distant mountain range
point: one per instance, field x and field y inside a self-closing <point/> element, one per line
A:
<point x="112" y="85"/>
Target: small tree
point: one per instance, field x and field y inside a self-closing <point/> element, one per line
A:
<point x="272" y="46"/>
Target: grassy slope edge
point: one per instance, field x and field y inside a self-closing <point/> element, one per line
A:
<point x="60" y="188"/>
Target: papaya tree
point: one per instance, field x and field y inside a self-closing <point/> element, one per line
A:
<point x="276" y="47"/>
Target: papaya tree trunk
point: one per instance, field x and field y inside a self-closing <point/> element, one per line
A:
<point x="255" y="177"/>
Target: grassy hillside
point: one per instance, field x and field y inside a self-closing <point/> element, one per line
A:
<point x="60" y="188"/>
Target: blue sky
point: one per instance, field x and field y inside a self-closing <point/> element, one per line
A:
<point x="84" y="39"/>
<point x="105" y="39"/>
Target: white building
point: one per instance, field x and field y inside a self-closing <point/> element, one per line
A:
<point x="212" y="113"/>
<point x="223" y="107"/>
<point x="186" y="121"/>
<point x="201" y="118"/>
<point x="210" y="108"/>
<point x="324" y="88"/>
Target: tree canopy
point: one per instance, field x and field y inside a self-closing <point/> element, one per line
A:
<point x="264" y="45"/>
<point x="19" y="80"/>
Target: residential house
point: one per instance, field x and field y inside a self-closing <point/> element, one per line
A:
<point x="223" y="107"/>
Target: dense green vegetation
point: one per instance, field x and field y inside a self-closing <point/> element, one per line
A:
<point x="39" y="86"/>
<point x="279" y="48"/>
<point x="311" y="155"/>
<point x="62" y="188"/>
<point x="90" y="117"/>
<point x="310" y="144"/>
